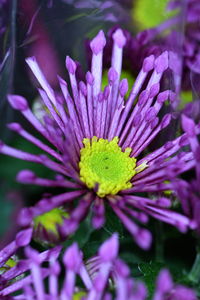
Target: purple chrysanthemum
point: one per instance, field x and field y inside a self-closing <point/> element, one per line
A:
<point x="110" y="278"/>
<point x="170" y="35"/>
<point x="33" y="283"/>
<point x="99" y="138"/>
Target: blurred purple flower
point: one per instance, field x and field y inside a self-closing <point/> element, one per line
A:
<point x="184" y="43"/>
<point x="189" y="192"/>
<point x="38" y="41"/>
<point x="167" y="290"/>
<point x="119" y="130"/>
<point x="111" y="10"/>
<point x="105" y="266"/>
<point x="16" y="275"/>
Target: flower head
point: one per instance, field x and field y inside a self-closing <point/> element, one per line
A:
<point x="47" y="226"/>
<point x="104" y="276"/>
<point x="98" y="139"/>
<point x="168" y="36"/>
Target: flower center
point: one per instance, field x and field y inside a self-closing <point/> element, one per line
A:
<point x="104" y="164"/>
<point x="50" y="219"/>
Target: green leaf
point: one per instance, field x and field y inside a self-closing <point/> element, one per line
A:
<point x="82" y="235"/>
<point x="113" y="223"/>
<point x="150" y="271"/>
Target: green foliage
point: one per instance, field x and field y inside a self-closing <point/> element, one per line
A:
<point x="149" y="274"/>
<point x="82" y="235"/>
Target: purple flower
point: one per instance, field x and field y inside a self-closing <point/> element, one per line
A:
<point x="108" y="272"/>
<point x="111" y="11"/>
<point x="18" y="276"/>
<point x="184" y="43"/>
<point x="167" y="290"/>
<point x="98" y="143"/>
<point x="32" y="284"/>
<point x="189" y="192"/>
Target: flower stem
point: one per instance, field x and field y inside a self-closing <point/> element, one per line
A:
<point x="159" y="242"/>
<point x="194" y="274"/>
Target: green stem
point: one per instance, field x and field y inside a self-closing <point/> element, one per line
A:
<point x="13" y="41"/>
<point x="194" y="274"/>
<point x="159" y="255"/>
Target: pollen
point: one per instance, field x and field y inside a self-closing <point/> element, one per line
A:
<point x="105" y="167"/>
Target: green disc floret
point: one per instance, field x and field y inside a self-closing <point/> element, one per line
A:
<point x="103" y="163"/>
<point x="50" y="219"/>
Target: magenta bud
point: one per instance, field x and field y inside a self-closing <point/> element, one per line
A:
<point x="25" y="176"/>
<point x="154" y="90"/>
<point x="143" y="97"/>
<point x="144" y="239"/>
<point x="98" y="43"/>
<point x="148" y="63"/>
<point x="164" y="282"/>
<point x="25" y="217"/>
<point x="89" y="78"/>
<point x="14" y="126"/>
<point x="165" y="121"/>
<point x="123" y="87"/>
<point x="18" y="102"/>
<point x="162" y="62"/>
<point x="73" y="258"/>
<point x="112" y="75"/>
<point x="119" y="38"/>
<point x="154" y="122"/>
<point x="70" y="65"/>
<point x="188" y="126"/>
<point x="109" y="250"/>
<point x="150" y="114"/>
<point x="163" y="96"/>
<point x="23" y="238"/>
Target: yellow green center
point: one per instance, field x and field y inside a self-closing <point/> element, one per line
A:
<point x="79" y="295"/>
<point x="158" y="13"/>
<point x="105" y="165"/>
<point x="50" y="219"/>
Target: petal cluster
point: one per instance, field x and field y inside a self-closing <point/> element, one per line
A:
<point x="86" y="110"/>
<point x="99" y="276"/>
